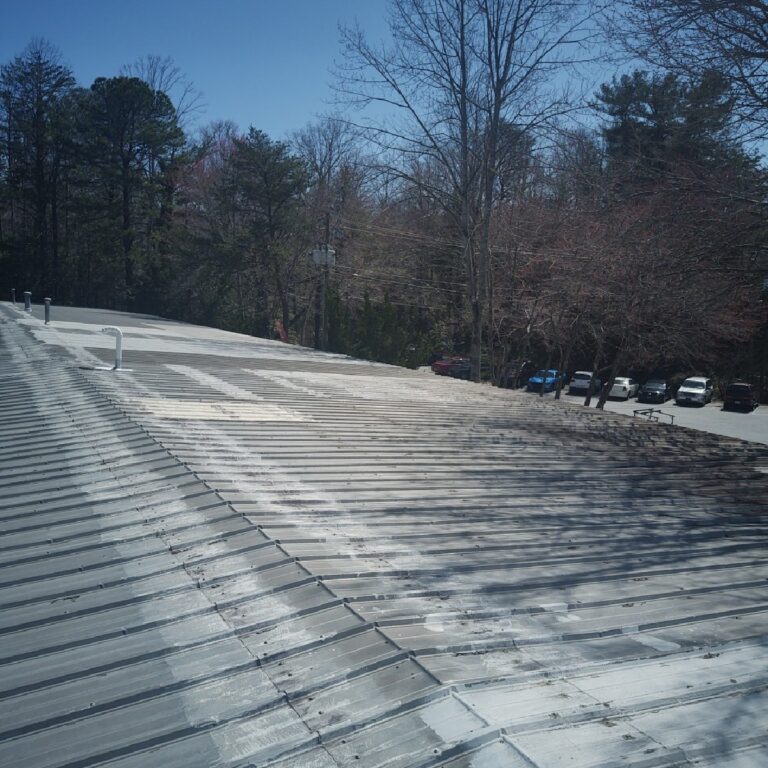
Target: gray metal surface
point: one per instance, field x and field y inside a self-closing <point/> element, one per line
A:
<point x="242" y="553"/>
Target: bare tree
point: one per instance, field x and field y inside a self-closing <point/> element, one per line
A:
<point x="690" y="37"/>
<point x="455" y="73"/>
<point x="162" y="74"/>
<point x="330" y="151"/>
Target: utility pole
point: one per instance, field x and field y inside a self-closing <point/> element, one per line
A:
<point x="324" y="257"/>
<point x="318" y="312"/>
<point x="324" y="294"/>
<point x="324" y="307"/>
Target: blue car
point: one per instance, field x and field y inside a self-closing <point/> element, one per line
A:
<point x="548" y="378"/>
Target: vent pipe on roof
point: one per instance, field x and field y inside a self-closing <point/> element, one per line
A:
<point x="13" y="296"/>
<point x="113" y="329"/>
<point x="47" y="311"/>
<point x="27" y="301"/>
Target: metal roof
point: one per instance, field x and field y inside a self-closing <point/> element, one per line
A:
<point x="242" y="553"/>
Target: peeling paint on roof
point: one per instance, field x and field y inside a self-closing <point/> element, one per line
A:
<point x="242" y="553"/>
<point x="201" y="410"/>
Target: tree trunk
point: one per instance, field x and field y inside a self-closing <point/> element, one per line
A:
<point x="565" y="359"/>
<point x="41" y="255"/>
<point x="53" y="291"/>
<point x="608" y="385"/>
<point x="476" y="344"/>
<point x="318" y="313"/>
<point x="126" y="237"/>
<point x="544" y="377"/>
<point x="595" y="367"/>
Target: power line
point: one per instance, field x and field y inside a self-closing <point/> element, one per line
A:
<point x="457" y="244"/>
<point x="432" y="307"/>
<point x="389" y="272"/>
<point x="399" y="282"/>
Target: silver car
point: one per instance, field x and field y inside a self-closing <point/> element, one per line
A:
<point x="696" y="390"/>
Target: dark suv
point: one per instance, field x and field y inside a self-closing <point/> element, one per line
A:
<point x="740" y="396"/>
<point x="654" y="391"/>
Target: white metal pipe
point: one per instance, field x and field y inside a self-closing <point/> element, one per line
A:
<point x="113" y="329"/>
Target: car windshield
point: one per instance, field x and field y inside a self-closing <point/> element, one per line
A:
<point x="692" y="384"/>
<point x="620" y="380"/>
<point x="737" y="389"/>
<point x="655" y="385"/>
<point x="582" y="376"/>
<point x="539" y="375"/>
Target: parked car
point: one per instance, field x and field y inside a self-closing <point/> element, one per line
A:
<point x="434" y="356"/>
<point x="548" y="378"/>
<point x="624" y="388"/>
<point x="740" y="396"/>
<point x="696" y="390"/>
<point x="457" y="367"/>
<point x="580" y="383"/>
<point x="654" y="391"/>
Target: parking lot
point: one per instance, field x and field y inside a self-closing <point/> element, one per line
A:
<point x="710" y="418"/>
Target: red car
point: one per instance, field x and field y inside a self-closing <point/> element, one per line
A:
<point x="457" y="367"/>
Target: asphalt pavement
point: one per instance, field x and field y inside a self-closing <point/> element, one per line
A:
<point x="709" y="418"/>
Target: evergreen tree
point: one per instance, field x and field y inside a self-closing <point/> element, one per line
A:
<point x="659" y="123"/>
<point x="130" y="140"/>
<point x="271" y="182"/>
<point x="33" y="91"/>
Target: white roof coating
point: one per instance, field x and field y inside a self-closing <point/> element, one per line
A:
<point x="242" y="553"/>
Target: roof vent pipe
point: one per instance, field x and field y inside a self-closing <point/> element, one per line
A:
<point x="27" y="301"/>
<point x="113" y="329"/>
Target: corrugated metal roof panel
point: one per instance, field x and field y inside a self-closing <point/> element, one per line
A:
<point x="242" y="553"/>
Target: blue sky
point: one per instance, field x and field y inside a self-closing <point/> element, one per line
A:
<point x="265" y="63"/>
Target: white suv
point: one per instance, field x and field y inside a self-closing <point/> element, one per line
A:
<point x="580" y="383"/>
<point x="697" y="390"/>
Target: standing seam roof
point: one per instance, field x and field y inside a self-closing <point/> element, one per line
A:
<point x="244" y="554"/>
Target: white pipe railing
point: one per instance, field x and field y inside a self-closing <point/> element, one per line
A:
<point x="113" y="329"/>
